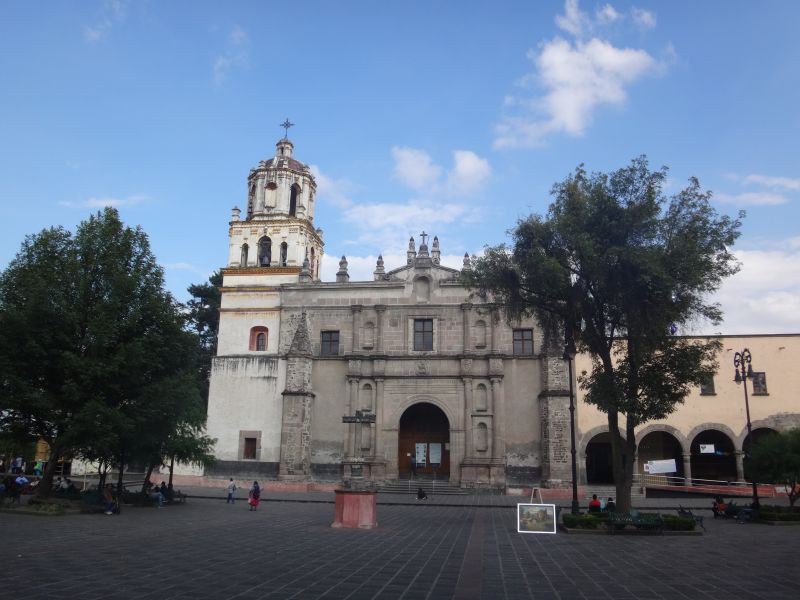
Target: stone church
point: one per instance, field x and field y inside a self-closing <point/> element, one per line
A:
<point x="328" y="380"/>
<point x="323" y="381"/>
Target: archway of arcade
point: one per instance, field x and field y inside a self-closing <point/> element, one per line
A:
<point x="713" y="456"/>
<point x="661" y="446"/>
<point x="424" y="433"/>
<point x="598" y="459"/>
<point x="758" y="435"/>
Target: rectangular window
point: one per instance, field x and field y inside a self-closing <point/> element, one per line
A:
<point x="523" y="342"/>
<point x="707" y="387"/>
<point x="249" y="449"/>
<point x="759" y="384"/>
<point x="423" y="334"/>
<point x="330" y="343"/>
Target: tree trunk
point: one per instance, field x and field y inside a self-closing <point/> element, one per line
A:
<point x="150" y="468"/>
<point x="621" y="462"/>
<point x="46" y="482"/>
<point x="120" y="486"/>
<point x="102" y="471"/>
<point x="171" y="469"/>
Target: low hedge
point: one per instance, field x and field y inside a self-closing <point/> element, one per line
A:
<point x="583" y="521"/>
<point x="676" y="523"/>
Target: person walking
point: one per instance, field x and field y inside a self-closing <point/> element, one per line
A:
<point x="231" y="490"/>
<point x="254" y="496"/>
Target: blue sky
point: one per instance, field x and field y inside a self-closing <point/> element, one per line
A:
<point x="452" y="117"/>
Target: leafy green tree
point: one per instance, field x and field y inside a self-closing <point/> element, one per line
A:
<point x="776" y="458"/>
<point x="617" y="264"/>
<point x="203" y="318"/>
<point x="94" y="355"/>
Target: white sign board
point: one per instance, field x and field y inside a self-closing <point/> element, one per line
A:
<point x="422" y="454"/>
<point x="655" y="467"/>
<point x="536" y="518"/>
<point x="707" y="449"/>
<point x="436" y="454"/>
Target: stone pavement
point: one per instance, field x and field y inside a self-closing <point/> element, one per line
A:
<point x="206" y="549"/>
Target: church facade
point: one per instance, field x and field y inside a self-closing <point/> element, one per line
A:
<point x="324" y="381"/>
<point x="328" y="380"/>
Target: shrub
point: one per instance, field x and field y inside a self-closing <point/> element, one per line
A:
<point x="582" y="521"/>
<point x="675" y="523"/>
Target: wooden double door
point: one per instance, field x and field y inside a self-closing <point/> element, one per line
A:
<point x="425" y="434"/>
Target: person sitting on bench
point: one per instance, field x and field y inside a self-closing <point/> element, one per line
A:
<point x="718" y="507"/>
<point x="594" y="504"/>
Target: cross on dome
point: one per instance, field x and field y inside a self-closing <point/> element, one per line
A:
<point x="286" y="124"/>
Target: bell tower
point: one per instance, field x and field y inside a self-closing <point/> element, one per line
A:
<point x="277" y="234"/>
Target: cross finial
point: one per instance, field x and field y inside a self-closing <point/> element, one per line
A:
<point x="423" y="235"/>
<point x="286" y="124"/>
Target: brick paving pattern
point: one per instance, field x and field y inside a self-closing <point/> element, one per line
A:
<point x="209" y="550"/>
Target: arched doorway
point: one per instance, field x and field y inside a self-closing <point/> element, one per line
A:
<point x="713" y="456"/>
<point x="424" y="433"/>
<point x="758" y="435"/>
<point x="598" y="459"/>
<point x="661" y="445"/>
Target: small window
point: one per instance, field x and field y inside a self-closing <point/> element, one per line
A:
<point x="264" y="252"/>
<point x="707" y="387"/>
<point x="523" y="342"/>
<point x="423" y="334"/>
<point x="760" y="384"/>
<point x="293" y="199"/>
<point x="330" y="343"/>
<point x="243" y="260"/>
<point x="259" y="338"/>
<point x="249" y="452"/>
<point x="284" y="253"/>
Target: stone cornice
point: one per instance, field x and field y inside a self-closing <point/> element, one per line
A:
<point x="260" y="271"/>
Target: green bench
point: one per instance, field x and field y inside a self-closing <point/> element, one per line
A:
<point x="646" y="521"/>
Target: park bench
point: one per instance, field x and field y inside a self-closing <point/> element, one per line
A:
<point x="645" y="521"/>
<point x="687" y="513"/>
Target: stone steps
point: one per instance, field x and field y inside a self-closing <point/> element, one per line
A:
<point x="431" y="487"/>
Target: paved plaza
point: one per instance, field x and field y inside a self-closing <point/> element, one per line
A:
<point x="206" y="549"/>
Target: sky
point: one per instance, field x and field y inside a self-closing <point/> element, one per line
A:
<point x="455" y="118"/>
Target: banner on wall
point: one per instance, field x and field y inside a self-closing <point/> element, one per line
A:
<point x="422" y="454"/>
<point x="659" y="467"/>
<point x="436" y="453"/>
<point x="707" y="449"/>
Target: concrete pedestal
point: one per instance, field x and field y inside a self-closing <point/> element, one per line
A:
<point x="355" y="509"/>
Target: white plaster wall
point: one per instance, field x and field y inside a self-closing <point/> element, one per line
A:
<point x="245" y="394"/>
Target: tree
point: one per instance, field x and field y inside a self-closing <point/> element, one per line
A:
<point x="203" y="317"/>
<point x="776" y="458"/>
<point x="617" y="264"/>
<point x="94" y="355"/>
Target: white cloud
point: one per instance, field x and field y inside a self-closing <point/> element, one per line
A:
<point x="469" y="174"/>
<point x="785" y="183"/>
<point x="415" y="168"/>
<point x="111" y="13"/>
<point x="335" y="191"/>
<point x="752" y="199"/>
<point x="577" y="79"/>
<point x="764" y="297"/>
<point x="235" y="55"/>
<point x="607" y="14"/>
<point x="94" y="202"/>
<point x="574" y="20"/>
<point x="643" y="18"/>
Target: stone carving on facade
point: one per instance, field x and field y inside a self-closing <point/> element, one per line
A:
<point x="496" y="367"/>
<point x="423" y="367"/>
<point x="466" y="366"/>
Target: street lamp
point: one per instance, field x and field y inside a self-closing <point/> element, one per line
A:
<point x="569" y="356"/>
<point x="744" y="371"/>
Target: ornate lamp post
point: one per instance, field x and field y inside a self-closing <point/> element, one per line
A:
<point x="744" y="371"/>
<point x="569" y="356"/>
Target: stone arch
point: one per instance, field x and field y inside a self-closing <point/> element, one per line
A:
<point x="425" y="432"/>
<point x="264" y="252"/>
<point x="417" y="399"/>
<point x="719" y="427"/>
<point x="666" y="429"/>
<point x="587" y="437"/>
<point x="243" y="257"/>
<point x="720" y="465"/>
